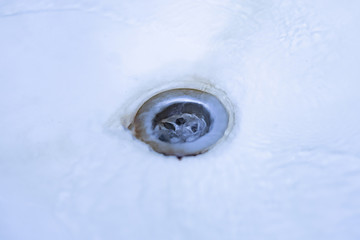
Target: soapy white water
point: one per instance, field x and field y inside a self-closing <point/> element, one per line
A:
<point x="290" y="168"/>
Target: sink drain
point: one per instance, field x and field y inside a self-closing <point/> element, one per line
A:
<point x="181" y="122"/>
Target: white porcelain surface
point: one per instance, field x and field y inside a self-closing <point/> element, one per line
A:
<point x="290" y="169"/>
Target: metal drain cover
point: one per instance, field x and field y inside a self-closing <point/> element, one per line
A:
<point x="181" y="122"/>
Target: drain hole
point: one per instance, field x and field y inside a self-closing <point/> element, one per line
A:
<point x="194" y="128"/>
<point x="180" y="121"/>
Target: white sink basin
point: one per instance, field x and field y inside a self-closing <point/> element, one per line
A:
<point x="289" y="169"/>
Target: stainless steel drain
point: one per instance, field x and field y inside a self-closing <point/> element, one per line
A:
<point x="181" y="122"/>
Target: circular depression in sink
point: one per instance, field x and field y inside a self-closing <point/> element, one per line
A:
<point x="181" y="122"/>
